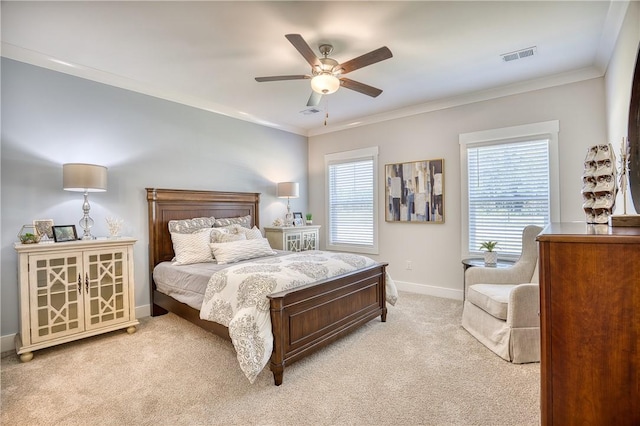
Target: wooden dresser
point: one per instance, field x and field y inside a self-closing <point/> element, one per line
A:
<point x="590" y="324"/>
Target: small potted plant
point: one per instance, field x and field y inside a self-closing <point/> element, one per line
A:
<point x="309" y="218"/>
<point x="28" y="235"/>
<point x="490" y="256"/>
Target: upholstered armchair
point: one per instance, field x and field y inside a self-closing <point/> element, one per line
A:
<point x="501" y="305"/>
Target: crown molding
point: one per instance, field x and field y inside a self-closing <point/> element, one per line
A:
<point x="468" y="98"/>
<point x="44" y="61"/>
<point x="38" y="59"/>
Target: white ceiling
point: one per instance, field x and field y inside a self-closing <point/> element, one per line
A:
<point x="207" y="53"/>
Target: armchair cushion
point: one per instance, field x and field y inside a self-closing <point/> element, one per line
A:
<point x="491" y="298"/>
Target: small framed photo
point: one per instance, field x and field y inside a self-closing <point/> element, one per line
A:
<point x="64" y="233"/>
<point x="297" y="219"/>
<point x="44" y="228"/>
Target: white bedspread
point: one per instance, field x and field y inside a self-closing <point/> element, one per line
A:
<point x="236" y="297"/>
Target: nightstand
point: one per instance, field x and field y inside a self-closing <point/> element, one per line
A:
<point x="73" y="290"/>
<point x="293" y="238"/>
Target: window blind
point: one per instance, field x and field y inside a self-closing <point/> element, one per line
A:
<point x="351" y="203"/>
<point x="508" y="189"/>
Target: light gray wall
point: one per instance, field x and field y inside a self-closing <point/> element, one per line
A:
<point x="434" y="249"/>
<point x="50" y="118"/>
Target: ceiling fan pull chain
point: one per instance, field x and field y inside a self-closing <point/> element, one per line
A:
<point x="326" y="112"/>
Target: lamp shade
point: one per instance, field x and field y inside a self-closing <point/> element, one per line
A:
<point x="84" y="177"/>
<point x="325" y="83"/>
<point x="288" y="190"/>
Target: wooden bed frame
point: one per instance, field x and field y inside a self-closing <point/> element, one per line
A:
<point x="303" y="319"/>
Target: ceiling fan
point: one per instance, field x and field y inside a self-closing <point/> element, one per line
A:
<point x="327" y="74"/>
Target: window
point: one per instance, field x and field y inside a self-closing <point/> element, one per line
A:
<point x="352" y="186"/>
<point x="510" y="181"/>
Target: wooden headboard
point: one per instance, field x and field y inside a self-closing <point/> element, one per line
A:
<point x="175" y="204"/>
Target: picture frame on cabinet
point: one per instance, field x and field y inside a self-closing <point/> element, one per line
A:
<point x="64" y="233"/>
<point x="44" y="228"/>
<point x="297" y="219"/>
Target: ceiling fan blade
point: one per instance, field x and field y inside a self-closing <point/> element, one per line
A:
<point x="314" y="99"/>
<point x="360" y="87"/>
<point x="282" y="77"/>
<point x="304" y="49"/>
<point x="367" y="59"/>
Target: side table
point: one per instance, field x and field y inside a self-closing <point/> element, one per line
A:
<point x="293" y="238"/>
<point x="478" y="262"/>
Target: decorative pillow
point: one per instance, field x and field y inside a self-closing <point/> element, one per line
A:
<point x="217" y="233"/>
<point x="189" y="226"/>
<point x="241" y="250"/>
<point x="192" y="248"/>
<point x="229" y="238"/>
<point x="235" y="228"/>
<point x="251" y="234"/>
<point x="244" y="221"/>
<point x="231" y="229"/>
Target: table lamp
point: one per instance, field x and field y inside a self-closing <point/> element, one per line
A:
<point x="85" y="178"/>
<point x="288" y="190"/>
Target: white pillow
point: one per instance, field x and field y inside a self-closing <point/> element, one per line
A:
<point x="243" y="221"/>
<point x="217" y="233"/>
<point x="189" y="226"/>
<point x="241" y="250"/>
<point x="192" y="248"/>
<point x="229" y="238"/>
<point x="251" y="234"/>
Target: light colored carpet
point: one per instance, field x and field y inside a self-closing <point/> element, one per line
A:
<point x="420" y="367"/>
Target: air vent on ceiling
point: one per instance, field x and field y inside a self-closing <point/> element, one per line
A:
<point x="309" y="111"/>
<point x="519" y="54"/>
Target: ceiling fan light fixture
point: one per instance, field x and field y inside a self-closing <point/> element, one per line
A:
<point x="325" y="83"/>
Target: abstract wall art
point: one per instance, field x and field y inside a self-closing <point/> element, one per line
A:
<point x="414" y="192"/>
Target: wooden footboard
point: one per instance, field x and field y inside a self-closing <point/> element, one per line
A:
<point x="308" y="318"/>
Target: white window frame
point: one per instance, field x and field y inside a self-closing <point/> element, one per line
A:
<point x="543" y="130"/>
<point x="348" y="156"/>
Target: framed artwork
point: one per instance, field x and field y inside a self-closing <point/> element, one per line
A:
<point x="297" y="219"/>
<point x="414" y="192"/>
<point x="44" y="227"/>
<point x="64" y="233"/>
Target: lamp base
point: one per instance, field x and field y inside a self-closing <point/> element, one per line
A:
<point x="86" y="223"/>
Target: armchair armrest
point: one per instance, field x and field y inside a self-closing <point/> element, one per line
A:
<point x="524" y="305"/>
<point x="520" y="272"/>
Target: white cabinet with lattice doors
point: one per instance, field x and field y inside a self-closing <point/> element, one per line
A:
<point x="294" y="238"/>
<point x="73" y="290"/>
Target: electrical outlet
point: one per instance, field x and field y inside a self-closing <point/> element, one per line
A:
<point x="408" y="265"/>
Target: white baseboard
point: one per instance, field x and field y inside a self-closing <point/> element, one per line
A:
<point x="430" y="290"/>
<point x="7" y="343"/>
<point x="143" y="311"/>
